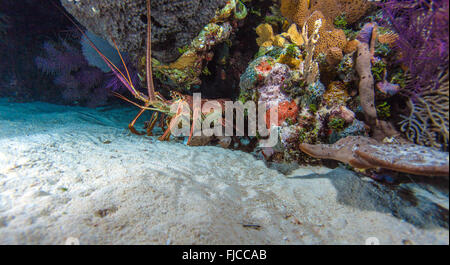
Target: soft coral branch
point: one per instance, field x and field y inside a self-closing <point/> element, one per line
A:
<point x="422" y="26"/>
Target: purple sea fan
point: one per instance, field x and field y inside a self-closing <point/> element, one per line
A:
<point x="113" y="83"/>
<point x="422" y="26"/>
<point x="79" y="83"/>
<point x="62" y="59"/>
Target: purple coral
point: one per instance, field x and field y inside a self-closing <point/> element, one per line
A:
<point x="79" y="82"/>
<point x="115" y="84"/>
<point x="422" y="26"/>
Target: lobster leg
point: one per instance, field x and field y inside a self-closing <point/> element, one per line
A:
<point x="153" y="121"/>
<point x="167" y="133"/>
<point x="190" y="135"/>
<point x="131" y="125"/>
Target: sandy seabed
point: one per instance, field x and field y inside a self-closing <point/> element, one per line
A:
<point x="71" y="172"/>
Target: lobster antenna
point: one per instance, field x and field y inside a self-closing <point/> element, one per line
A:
<point x="150" y="85"/>
<point x="95" y="47"/>
<point x="123" y="62"/>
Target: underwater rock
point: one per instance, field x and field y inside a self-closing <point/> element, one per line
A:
<point x="334" y="56"/>
<point x="174" y="23"/>
<point x="343" y="113"/>
<point x="187" y="70"/>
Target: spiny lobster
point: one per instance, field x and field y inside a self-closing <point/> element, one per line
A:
<point x="154" y="101"/>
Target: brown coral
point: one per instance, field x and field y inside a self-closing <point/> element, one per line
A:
<point x="364" y="153"/>
<point x="302" y="11"/>
<point x="330" y="39"/>
<point x="352" y="9"/>
<point x="351" y="46"/>
<point x="329" y="36"/>
<point x="299" y="10"/>
<point x="334" y="56"/>
<point x="336" y="95"/>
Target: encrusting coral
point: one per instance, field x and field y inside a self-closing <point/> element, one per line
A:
<point x="351" y="46"/>
<point x="367" y="153"/>
<point x="336" y="94"/>
<point x="333" y="38"/>
<point x="334" y="56"/>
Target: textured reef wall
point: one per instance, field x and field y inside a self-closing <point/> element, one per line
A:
<point x="174" y="22"/>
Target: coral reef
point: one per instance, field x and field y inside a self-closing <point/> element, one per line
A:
<point x="287" y="73"/>
<point x="174" y="23"/>
<point x="357" y="128"/>
<point x="363" y="78"/>
<point x="329" y="79"/>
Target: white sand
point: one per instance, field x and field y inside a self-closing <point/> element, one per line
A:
<point x="74" y="172"/>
